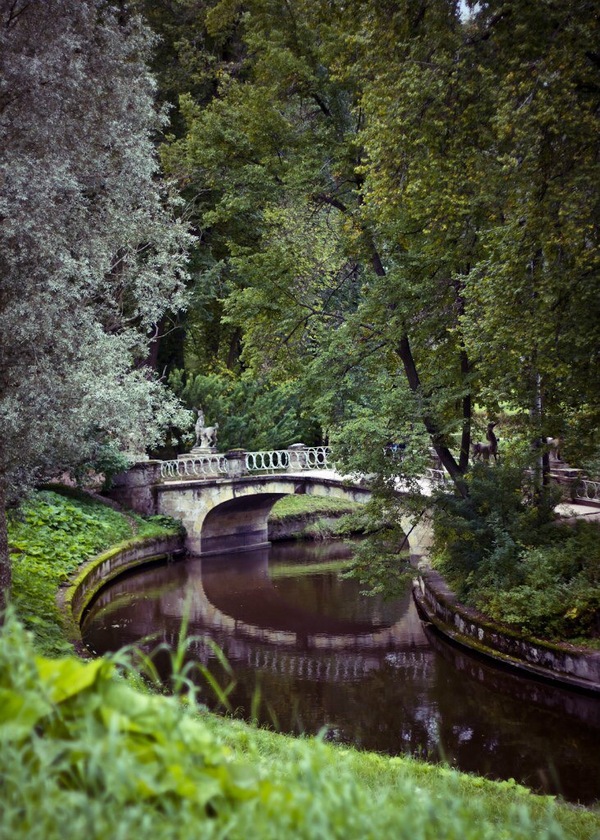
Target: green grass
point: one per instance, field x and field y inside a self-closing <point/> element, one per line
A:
<point x="317" y="517"/>
<point x="50" y="536"/>
<point x="86" y="754"/>
<point x="295" y="506"/>
<point x="294" y="571"/>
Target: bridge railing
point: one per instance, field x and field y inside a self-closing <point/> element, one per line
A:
<point x="575" y="486"/>
<point x="203" y="466"/>
<point x="587" y="490"/>
<point x="237" y="462"/>
<point x="305" y="458"/>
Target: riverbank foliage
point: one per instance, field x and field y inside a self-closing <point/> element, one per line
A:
<point x="50" y="536"/>
<point x="84" y="753"/>
<point x="315" y="518"/>
<point x="505" y="554"/>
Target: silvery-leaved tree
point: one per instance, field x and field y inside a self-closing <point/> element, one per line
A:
<point x="90" y="253"/>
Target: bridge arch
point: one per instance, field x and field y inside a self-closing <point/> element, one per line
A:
<point x="231" y="514"/>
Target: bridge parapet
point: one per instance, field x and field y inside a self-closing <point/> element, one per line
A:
<point x="237" y="462"/>
<point x="586" y="490"/>
<point x="199" y="466"/>
<point x="295" y="457"/>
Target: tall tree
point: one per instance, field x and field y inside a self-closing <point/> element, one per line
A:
<point x="90" y="255"/>
<point x="404" y="198"/>
<point x="280" y="158"/>
<point x="534" y="297"/>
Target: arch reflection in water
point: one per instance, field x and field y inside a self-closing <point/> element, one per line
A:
<point x="323" y="655"/>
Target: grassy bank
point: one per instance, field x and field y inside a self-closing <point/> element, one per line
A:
<point x="86" y="753"/>
<point x="50" y="536"/>
<point x="313" y="518"/>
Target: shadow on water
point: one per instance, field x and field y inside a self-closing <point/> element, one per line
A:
<point x="323" y="655"/>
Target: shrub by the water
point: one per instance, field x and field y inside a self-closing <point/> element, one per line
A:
<point x="504" y="553"/>
<point x="558" y="595"/>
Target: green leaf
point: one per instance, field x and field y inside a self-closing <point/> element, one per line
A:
<point x="20" y="713"/>
<point x="65" y="678"/>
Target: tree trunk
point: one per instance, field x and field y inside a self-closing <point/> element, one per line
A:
<point x="455" y="471"/>
<point x="467" y="409"/>
<point x="446" y="457"/>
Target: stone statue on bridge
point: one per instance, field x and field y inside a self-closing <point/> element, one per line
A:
<point x="206" y="436"/>
<point x="199" y="427"/>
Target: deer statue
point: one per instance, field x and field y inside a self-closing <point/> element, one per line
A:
<point x="554" y="449"/>
<point x="482" y="451"/>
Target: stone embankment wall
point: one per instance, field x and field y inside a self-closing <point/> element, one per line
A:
<point x="93" y="575"/>
<point x="567" y="664"/>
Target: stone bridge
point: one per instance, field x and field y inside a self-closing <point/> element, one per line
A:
<point x="224" y="501"/>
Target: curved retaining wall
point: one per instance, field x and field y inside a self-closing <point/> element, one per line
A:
<point x="77" y="593"/>
<point x="567" y="664"/>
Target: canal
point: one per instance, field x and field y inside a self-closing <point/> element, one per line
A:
<point x="309" y="653"/>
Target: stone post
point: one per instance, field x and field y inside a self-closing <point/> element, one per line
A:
<point x="236" y="463"/>
<point x="135" y="488"/>
<point x="297" y="455"/>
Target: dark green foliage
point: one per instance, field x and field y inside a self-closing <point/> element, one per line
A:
<point x="392" y="195"/>
<point x="251" y="414"/>
<point x="488" y="530"/>
<point x="504" y="553"/>
<point x="108" y="461"/>
<point x="558" y="594"/>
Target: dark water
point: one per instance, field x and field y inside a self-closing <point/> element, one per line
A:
<point x="322" y="655"/>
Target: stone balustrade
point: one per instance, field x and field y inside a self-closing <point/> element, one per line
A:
<point x="238" y="462"/>
<point x="203" y="466"/>
<point x="586" y="490"/>
<point x="559" y="662"/>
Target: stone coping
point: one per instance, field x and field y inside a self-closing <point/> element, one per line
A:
<point x="571" y="666"/>
<point x="74" y="596"/>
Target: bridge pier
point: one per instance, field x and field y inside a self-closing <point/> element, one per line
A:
<point x="136" y="487"/>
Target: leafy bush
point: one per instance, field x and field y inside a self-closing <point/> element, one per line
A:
<point x="504" y="553"/>
<point x="488" y="529"/>
<point x="559" y="593"/>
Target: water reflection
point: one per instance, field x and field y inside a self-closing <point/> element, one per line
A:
<point x="368" y="669"/>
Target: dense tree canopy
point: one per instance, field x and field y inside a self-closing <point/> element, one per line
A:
<point x="90" y="255"/>
<point x="402" y="198"/>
